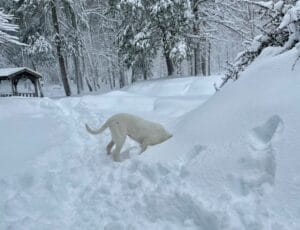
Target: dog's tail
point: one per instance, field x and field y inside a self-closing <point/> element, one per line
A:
<point x="97" y="131"/>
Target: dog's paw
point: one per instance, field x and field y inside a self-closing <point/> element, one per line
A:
<point x="117" y="157"/>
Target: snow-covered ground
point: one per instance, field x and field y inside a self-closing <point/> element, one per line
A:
<point x="233" y="162"/>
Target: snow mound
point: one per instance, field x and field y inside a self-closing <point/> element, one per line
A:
<point x="187" y="86"/>
<point x="241" y="146"/>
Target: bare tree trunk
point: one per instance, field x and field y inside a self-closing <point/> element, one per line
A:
<point x="61" y="60"/>
<point x="204" y="60"/>
<point x="197" y="49"/>
<point x="197" y="66"/>
<point x="77" y="74"/>
<point x="133" y="77"/>
<point x="70" y="76"/>
<point x="108" y="78"/>
<point x="110" y="75"/>
<point x="144" y="70"/>
<point x="76" y="55"/>
<point x="190" y="65"/>
<point x="209" y="59"/>
<point x="169" y="63"/>
<point x="121" y="73"/>
<point x="113" y="79"/>
<point x="203" y="65"/>
<point x="145" y="77"/>
<point x="122" y="79"/>
<point x="86" y="79"/>
<point x="170" y="66"/>
<point x="219" y="63"/>
<point x="89" y="84"/>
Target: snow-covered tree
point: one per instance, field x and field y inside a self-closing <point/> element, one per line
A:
<point x="148" y="26"/>
<point x="52" y="31"/>
<point x="281" y="29"/>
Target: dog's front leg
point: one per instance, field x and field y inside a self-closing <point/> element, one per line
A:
<point x="118" y="136"/>
<point x="143" y="147"/>
<point x="119" y="140"/>
<point x="116" y="153"/>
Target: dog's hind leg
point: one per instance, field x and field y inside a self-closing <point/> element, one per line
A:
<point x="119" y="139"/>
<point x="109" y="147"/>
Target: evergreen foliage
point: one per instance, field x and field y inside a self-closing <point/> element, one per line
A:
<point x="147" y="26"/>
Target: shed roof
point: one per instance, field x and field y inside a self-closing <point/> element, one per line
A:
<point x="8" y="73"/>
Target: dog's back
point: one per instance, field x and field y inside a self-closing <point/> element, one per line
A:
<point x="140" y="129"/>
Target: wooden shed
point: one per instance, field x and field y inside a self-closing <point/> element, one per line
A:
<point x="20" y="81"/>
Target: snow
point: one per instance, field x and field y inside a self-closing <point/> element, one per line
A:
<point x="242" y="145"/>
<point x="267" y="4"/>
<point x="179" y="51"/>
<point x="4" y="72"/>
<point x="291" y="16"/>
<point x="39" y="45"/>
<point x="9" y="71"/>
<point x="278" y="5"/>
<point x="233" y="162"/>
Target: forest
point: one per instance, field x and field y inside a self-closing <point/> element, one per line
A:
<point x="91" y="44"/>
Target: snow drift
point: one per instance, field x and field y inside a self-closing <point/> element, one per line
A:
<point x="240" y="149"/>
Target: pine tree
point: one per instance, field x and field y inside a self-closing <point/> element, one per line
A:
<point x="148" y="26"/>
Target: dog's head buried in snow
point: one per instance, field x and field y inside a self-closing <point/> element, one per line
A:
<point x="142" y="131"/>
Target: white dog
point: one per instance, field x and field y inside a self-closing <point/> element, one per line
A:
<point x="142" y="131"/>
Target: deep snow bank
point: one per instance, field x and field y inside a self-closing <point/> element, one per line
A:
<point x="241" y="148"/>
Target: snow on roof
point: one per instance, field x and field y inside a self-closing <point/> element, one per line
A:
<point x="6" y="72"/>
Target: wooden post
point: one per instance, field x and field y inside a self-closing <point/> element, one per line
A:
<point x="12" y="87"/>
<point x="35" y="88"/>
<point x="40" y="88"/>
<point x="15" y="87"/>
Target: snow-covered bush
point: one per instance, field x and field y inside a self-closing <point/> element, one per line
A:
<point x="282" y="29"/>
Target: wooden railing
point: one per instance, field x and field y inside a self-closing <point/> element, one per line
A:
<point x="18" y="95"/>
<point x="6" y="95"/>
<point x="26" y="94"/>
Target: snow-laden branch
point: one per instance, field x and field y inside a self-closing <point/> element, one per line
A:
<point x="269" y="5"/>
<point x="6" y="26"/>
<point x="96" y="12"/>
